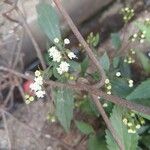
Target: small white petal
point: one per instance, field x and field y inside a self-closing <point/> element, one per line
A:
<point x="56" y="40"/>
<point x="66" y="41"/>
<point x="118" y="74"/>
<point x="71" y="55"/>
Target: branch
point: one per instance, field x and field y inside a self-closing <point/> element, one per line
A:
<point x="107" y="121"/>
<point x="90" y="89"/>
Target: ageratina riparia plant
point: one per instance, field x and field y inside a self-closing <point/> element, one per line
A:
<point x="78" y="71"/>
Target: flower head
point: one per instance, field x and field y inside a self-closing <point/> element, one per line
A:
<point x="55" y="54"/>
<point x="63" y="67"/>
<point x="56" y="40"/>
<point x="66" y="41"/>
<point x="71" y="55"/>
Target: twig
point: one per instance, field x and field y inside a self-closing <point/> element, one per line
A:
<point x="83" y="87"/>
<point x="108" y="122"/>
<point x="83" y="42"/>
<point x="6" y="129"/>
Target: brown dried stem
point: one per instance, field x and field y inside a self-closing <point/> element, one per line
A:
<point x="83" y="87"/>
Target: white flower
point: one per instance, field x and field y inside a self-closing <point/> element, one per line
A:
<point x="40" y="94"/>
<point x="35" y="87"/>
<point x="37" y="73"/>
<point x="131" y="131"/>
<point x="106" y="81"/>
<point x="125" y="121"/>
<point x="138" y="126"/>
<point x="66" y="41"/>
<point x="63" y="67"/>
<point x="56" y="40"/>
<point x="71" y="55"/>
<point x="55" y="54"/>
<point x="118" y="74"/>
<point x="109" y="92"/>
<point x="105" y="105"/>
<point x="142" y="41"/>
<point x="39" y="80"/>
<point x="109" y="87"/>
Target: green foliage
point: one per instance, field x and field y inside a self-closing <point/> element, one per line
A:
<point x="85" y="128"/>
<point x="125" y="69"/>
<point x="129" y="140"/>
<point x="104" y="61"/>
<point x="142" y="91"/>
<point x="96" y="143"/>
<point x="89" y="107"/>
<point x="48" y="21"/>
<point x="145" y="62"/>
<point x="116" y="41"/>
<point x="84" y="65"/>
<point x="64" y="103"/>
<point x="145" y="28"/>
<point x="116" y="61"/>
<point x="93" y="40"/>
<point x="120" y="87"/>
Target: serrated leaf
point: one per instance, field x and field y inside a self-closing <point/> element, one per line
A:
<point x="48" y="21"/>
<point x="95" y="143"/>
<point x="145" y="62"/>
<point x="84" y="65"/>
<point x="115" y="38"/>
<point x="116" y="61"/>
<point x="84" y="127"/>
<point x="129" y="140"/>
<point x="74" y="66"/>
<point x="120" y="87"/>
<point x="104" y="61"/>
<point x="142" y="91"/>
<point x="125" y="69"/>
<point x="64" y="102"/>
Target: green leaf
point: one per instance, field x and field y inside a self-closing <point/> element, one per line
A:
<point x="125" y="69"/>
<point x="129" y="140"/>
<point x="96" y="40"/>
<point x="120" y="87"/>
<point x="95" y="143"/>
<point x="64" y="103"/>
<point x="89" y="107"/>
<point x="47" y="73"/>
<point x="142" y="91"/>
<point x="143" y="115"/>
<point x="116" y="61"/>
<point x="48" y="21"/>
<point x="145" y="28"/>
<point x="146" y="141"/>
<point x="144" y="61"/>
<point x="84" y="127"/>
<point x="115" y="38"/>
<point x="104" y="61"/>
<point x="84" y="65"/>
<point x="74" y="66"/>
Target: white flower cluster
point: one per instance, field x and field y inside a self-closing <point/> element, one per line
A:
<point x="63" y="67"/>
<point x="55" y="54"/>
<point x="36" y="86"/>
